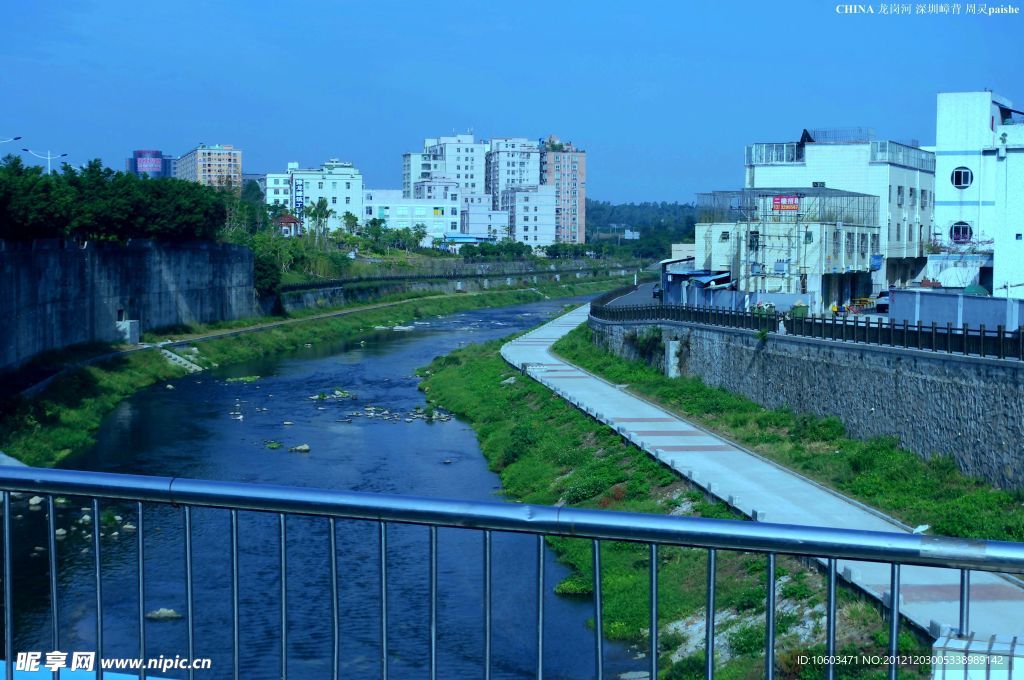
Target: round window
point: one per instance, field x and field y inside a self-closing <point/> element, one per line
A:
<point x="961" y="232"/>
<point x="962" y="177"/>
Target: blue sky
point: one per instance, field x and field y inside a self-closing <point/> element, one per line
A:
<point x="662" y="95"/>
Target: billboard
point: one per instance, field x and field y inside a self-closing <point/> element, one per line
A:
<point x="785" y="203"/>
<point x="149" y="165"/>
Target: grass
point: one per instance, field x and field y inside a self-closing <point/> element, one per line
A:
<point x="876" y="472"/>
<point x="548" y="452"/>
<point x="60" y="422"/>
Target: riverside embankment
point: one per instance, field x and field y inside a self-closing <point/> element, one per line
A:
<point x="59" y="421"/>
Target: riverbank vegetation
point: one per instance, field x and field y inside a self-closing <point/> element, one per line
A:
<point x="60" y="422"/>
<point x="548" y="452"/>
<point x="876" y="472"/>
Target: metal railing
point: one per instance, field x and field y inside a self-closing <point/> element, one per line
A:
<point x="999" y="343"/>
<point x="655" y="531"/>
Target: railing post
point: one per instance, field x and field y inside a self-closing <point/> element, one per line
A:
<point x="934" y="347"/>
<point x="709" y="618"/>
<point x="879" y="331"/>
<point x="906" y="344"/>
<point x="844" y="328"/>
<point x="1001" y="335"/>
<point x="949" y="337"/>
<point x="1020" y="343"/>
<point x="769" y="621"/>
<point x="966" y="332"/>
<point x="919" y="334"/>
<point x="982" y="350"/>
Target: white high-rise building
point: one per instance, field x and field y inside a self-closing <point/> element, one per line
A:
<point x="512" y="162"/>
<point x="340" y="184"/>
<point x="460" y="158"/>
<point x="531" y="214"/>
<point x="902" y="176"/>
<point x="979" y="206"/>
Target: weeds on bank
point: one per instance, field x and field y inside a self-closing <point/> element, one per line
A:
<point x="548" y="452"/>
<point x="876" y="472"/>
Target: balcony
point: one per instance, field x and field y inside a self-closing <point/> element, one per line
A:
<point x="319" y="513"/>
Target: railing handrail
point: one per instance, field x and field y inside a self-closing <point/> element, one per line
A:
<point x="872" y="546"/>
<point x="999" y="342"/>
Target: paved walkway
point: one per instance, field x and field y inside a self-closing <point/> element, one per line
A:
<point x="764" y="491"/>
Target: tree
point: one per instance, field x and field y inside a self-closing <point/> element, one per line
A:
<point x="419" y="232"/>
<point x="350" y="222"/>
<point x="319" y="212"/>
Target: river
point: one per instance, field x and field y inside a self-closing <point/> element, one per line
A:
<point x="208" y="426"/>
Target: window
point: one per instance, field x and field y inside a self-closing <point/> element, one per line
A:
<point x="899" y="195"/>
<point x="724" y="236"/>
<point x="961" y="232"/>
<point x="818" y="185"/>
<point x="924" y="198"/>
<point x="874" y="243"/>
<point x="899" y="232"/>
<point x="334" y="199"/>
<point x="348" y="200"/>
<point x="808" y="236"/>
<point x="754" y="240"/>
<point x="863" y="242"/>
<point x="835" y="243"/>
<point x="319" y="185"/>
<point x="910" y="233"/>
<point x="849" y="245"/>
<point x="962" y="177"/>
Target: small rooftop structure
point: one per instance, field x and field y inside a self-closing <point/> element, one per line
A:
<point x="788" y="204"/>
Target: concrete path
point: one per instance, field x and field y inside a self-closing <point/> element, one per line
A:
<point x="765" y="491"/>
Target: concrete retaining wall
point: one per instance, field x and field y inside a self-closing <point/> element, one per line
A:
<point x="54" y="294"/>
<point x="364" y="292"/>
<point x="967" y="407"/>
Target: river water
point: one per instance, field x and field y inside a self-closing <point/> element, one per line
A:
<point x="194" y="430"/>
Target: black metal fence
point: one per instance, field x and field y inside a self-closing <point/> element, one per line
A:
<point x="999" y="342"/>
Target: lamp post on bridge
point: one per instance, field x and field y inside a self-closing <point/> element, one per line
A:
<point x="12" y="139"/>
<point x="49" y="157"/>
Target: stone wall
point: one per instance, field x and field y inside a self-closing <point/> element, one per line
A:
<point x="54" y="294"/>
<point x="355" y="293"/>
<point x="967" y="407"/>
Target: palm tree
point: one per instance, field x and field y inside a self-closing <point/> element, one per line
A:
<point x="319" y="213"/>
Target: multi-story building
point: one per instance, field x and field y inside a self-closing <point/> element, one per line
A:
<point x="979" y="206"/>
<point x="460" y="158"/>
<point x="151" y="163"/>
<point x="901" y="175"/>
<point x="814" y="244"/>
<point x="531" y="214"/>
<point x="219" y="165"/>
<point x="435" y="188"/>
<point x="565" y="167"/>
<point x="512" y="162"/>
<point x="440" y="216"/>
<point x="337" y="182"/>
<point x="480" y="220"/>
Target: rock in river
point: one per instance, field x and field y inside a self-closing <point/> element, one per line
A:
<point x="163" y="614"/>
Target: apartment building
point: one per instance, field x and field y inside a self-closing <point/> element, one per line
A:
<point x="439" y="215"/>
<point x="459" y="157"/>
<point x="901" y="175"/>
<point x="531" y="214"/>
<point x="337" y="182"/>
<point x="979" y="206"/>
<point x="564" y="167"/>
<point x="219" y="165"/>
<point x="512" y="162"/>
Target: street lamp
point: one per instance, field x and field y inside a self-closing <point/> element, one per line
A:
<point x="4" y="141"/>
<point x="48" y="157"/>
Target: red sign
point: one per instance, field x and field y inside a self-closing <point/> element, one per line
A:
<point x="785" y="202"/>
